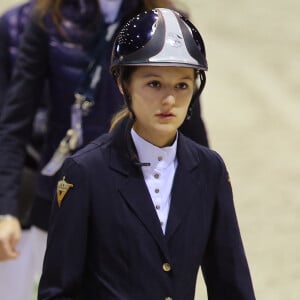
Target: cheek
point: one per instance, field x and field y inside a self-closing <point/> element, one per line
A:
<point x="186" y="101"/>
<point x="142" y="99"/>
<point x="139" y="104"/>
<point x="143" y="107"/>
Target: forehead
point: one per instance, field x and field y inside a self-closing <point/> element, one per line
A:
<point x="168" y="72"/>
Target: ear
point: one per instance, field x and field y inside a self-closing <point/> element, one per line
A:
<point x="120" y="87"/>
<point x="123" y="88"/>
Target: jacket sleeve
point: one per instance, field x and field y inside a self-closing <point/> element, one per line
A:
<point x="195" y="128"/>
<point x="4" y="60"/>
<point x="65" y="257"/>
<point x="19" y="106"/>
<point x="225" y="268"/>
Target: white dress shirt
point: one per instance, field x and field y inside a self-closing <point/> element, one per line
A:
<point x="159" y="175"/>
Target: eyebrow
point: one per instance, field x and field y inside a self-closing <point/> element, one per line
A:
<point x="147" y="75"/>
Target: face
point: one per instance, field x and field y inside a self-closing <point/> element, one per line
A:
<point x="160" y="97"/>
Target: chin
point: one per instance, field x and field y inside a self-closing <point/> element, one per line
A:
<point x="166" y="130"/>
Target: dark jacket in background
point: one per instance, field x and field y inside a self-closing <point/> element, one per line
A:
<point x="12" y="26"/>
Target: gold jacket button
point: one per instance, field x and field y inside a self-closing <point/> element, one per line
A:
<point x="166" y="267"/>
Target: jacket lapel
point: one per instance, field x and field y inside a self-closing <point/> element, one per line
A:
<point x="133" y="188"/>
<point x="135" y="192"/>
<point x="185" y="187"/>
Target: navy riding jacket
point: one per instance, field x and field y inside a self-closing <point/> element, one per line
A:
<point x="105" y="238"/>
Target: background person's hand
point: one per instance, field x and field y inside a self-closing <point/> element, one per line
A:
<point x="10" y="234"/>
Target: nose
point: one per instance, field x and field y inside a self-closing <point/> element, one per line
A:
<point x="168" y="99"/>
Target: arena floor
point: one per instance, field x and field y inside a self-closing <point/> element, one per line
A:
<point x="251" y="107"/>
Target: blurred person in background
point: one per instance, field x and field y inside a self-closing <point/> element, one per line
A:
<point x="21" y="271"/>
<point x="140" y="209"/>
<point x="61" y="45"/>
<point x="12" y="25"/>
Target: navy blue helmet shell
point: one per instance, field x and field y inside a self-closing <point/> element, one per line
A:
<point x="159" y="37"/>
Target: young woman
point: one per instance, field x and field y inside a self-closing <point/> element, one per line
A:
<point x="140" y="209"/>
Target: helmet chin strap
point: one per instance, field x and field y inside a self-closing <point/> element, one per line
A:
<point x="197" y="94"/>
<point x="127" y="100"/>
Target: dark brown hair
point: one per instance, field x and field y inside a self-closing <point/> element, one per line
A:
<point x="53" y="7"/>
<point x="123" y="77"/>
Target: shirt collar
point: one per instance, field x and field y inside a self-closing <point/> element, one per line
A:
<point x="159" y="158"/>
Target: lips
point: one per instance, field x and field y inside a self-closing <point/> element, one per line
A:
<point x="166" y="114"/>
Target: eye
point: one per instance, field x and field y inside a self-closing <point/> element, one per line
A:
<point x="182" y="86"/>
<point x="154" y="84"/>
